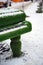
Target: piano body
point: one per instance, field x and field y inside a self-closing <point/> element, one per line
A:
<point x="12" y="25"/>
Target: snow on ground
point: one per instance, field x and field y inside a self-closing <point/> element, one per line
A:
<point x="3" y="0"/>
<point x="19" y="5"/>
<point x="32" y="42"/>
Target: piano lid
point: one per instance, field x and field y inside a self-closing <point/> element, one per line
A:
<point x="9" y="11"/>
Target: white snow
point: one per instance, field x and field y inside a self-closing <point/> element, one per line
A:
<point x="19" y="5"/>
<point x="3" y="0"/>
<point x="32" y="42"/>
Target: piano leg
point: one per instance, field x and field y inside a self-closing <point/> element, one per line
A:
<point x="16" y="46"/>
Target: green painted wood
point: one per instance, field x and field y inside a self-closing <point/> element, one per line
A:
<point x="7" y="21"/>
<point x="16" y="46"/>
<point x="17" y="32"/>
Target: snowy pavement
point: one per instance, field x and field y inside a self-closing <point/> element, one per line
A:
<point x="20" y="5"/>
<point x="32" y="42"/>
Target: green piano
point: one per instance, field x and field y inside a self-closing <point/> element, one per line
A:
<point x="12" y="26"/>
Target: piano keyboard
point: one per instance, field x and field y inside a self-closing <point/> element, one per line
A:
<point x="12" y="28"/>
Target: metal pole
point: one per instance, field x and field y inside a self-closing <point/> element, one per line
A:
<point x="8" y="2"/>
<point x="23" y="5"/>
<point x="42" y="4"/>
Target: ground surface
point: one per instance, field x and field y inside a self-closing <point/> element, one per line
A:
<point x="32" y="42"/>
